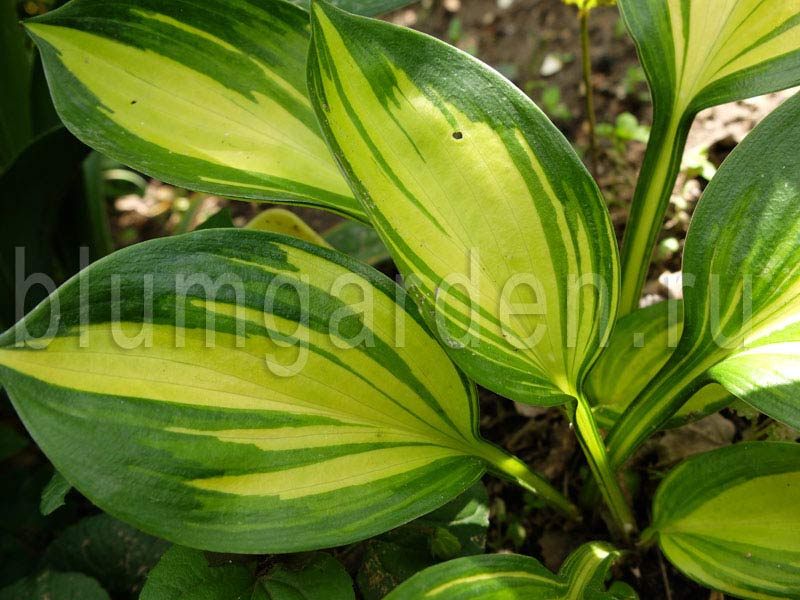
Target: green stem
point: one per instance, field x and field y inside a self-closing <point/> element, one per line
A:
<point x="511" y="467"/>
<point x="593" y="447"/>
<point x="583" y="16"/>
<point x="660" y="168"/>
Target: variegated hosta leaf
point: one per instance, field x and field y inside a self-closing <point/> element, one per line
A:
<point x="766" y="374"/>
<point x="211" y="96"/>
<point x="729" y="519"/>
<point x="506" y="576"/>
<point x="436" y="146"/>
<point x="741" y="287"/>
<point x="369" y="8"/>
<point x="350" y="237"/>
<point x="697" y="53"/>
<point x="744" y="252"/>
<point x="285" y="222"/>
<point x="241" y="391"/>
<point x="640" y="345"/>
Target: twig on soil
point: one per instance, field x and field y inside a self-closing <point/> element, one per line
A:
<point x="664" y="577"/>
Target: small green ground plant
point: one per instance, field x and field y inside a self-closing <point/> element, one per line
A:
<point x="247" y="392"/>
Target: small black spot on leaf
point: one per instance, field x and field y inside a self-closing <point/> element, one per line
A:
<point x="457" y="135"/>
<point x="134" y="101"/>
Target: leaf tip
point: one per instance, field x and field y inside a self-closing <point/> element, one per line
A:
<point x="322" y="11"/>
<point x="318" y="8"/>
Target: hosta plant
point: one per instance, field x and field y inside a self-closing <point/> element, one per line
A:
<point x="249" y="392"/>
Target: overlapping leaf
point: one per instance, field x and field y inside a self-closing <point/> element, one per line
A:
<point x="115" y="554"/>
<point x="435" y="145"/>
<point x="743" y="255"/>
<point x="350" y="237"/>
<point x="183" y="573"/>
<point x="210" y="95"/>
<point x="54" y="494"/>
<point x="645" y="338"/>
<point x="729" y="519"/>
<point x="240" y="391"/>
<point x="456" y="529"/>
<point x="280" y="220"/>
<point x="501" y="576"/>
<point x="741" y="287"/>
<point x="767" y="374"/>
